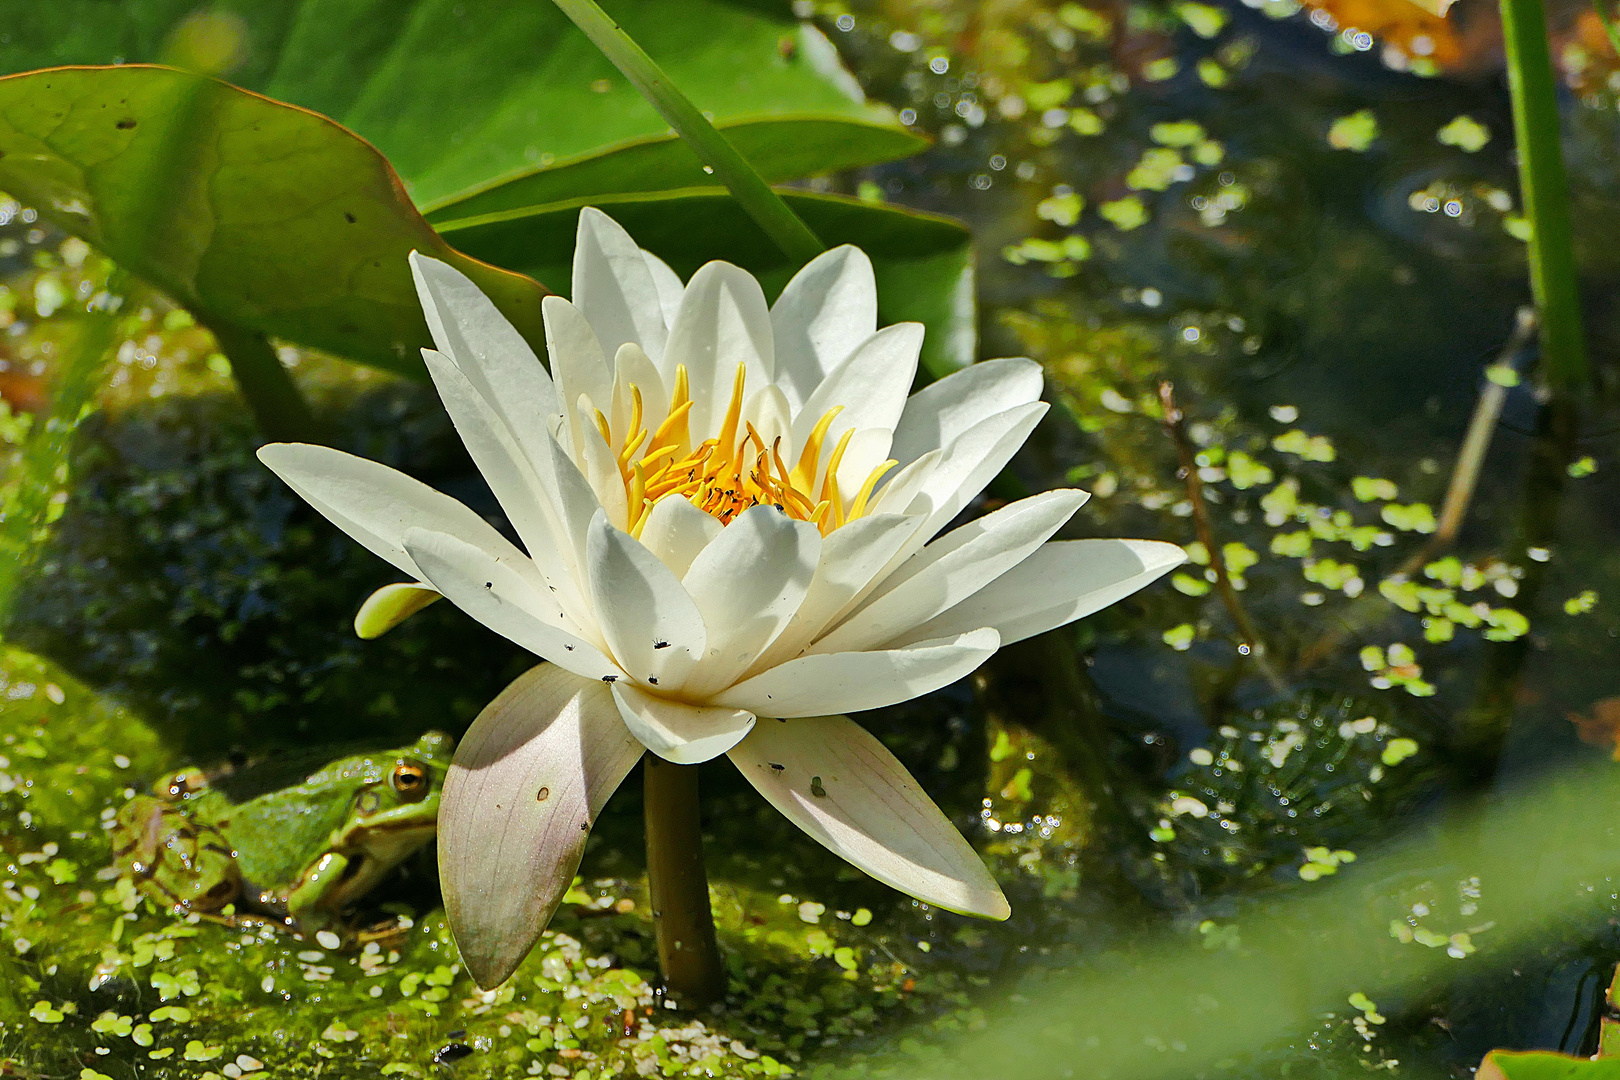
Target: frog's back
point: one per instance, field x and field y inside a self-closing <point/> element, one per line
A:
<point x="276" y="833"/>
<point x="274" y="836"/>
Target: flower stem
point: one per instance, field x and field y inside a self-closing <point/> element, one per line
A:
<point x="278" y="408"/>
<point x="1545" y="191"/>
<point x="753" y="194"/>
<point x="684" y="923"/>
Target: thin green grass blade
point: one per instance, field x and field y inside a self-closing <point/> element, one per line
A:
<point x="32" y="497"/>
<point x="780" y="223"/>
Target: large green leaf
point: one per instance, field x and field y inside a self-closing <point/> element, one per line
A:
<point x="777" y="149"/>
<point x="465" y="98"/>
<point x="249" y="212"/>
<point x="924" y="263"/>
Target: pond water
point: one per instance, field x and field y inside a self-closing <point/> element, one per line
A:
<point x="1325" y="260"/>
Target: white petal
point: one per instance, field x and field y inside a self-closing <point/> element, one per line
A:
<point x="768" y="410"/>
<point x="974" y="459"/>
<point x="507" y="469"/>
<point x="1059" y="583"/>
<point x="897" y="491"/>
<point x="375" y="504"/>
<point x="574" y="501"/>
<point x="747" y="584"/>
<point x="850" y="682"/>
<point x="953" y="568"/>
<point x="527" y="782"/>
<point x="834" y="780"/>
<point x="498" y="594"/>
<point x="828" y="309"/>
<point x="632" y="367"/>
<point x="578" y="364"/>
<point x="940" y="412"/>
<point x="960" y="472"/>
<point x="668" y="284"/>
<point x="723" y="322"/>
<point x="871" y="386"/>
<point x="391" y="605"/>
<point x="614" y="287"/>
<point x="850" y="558"/>
<point x="601" y="468"/>
<point x="675" y="531"/>
<point x="867" y="449"/>
<point x="471" y="330"/>
<point x="684" y="734"/>
<point x="650" y="623"/>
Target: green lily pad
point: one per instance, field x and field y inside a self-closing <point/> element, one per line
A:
<point x="924" y="263"/>
<point x="467" y="99"/>
<point x="777" y="149"/>
<point x="247" y="211"/>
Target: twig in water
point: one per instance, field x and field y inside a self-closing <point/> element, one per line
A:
<point x="1253" y="647"/>
<point x="1459" y="493"/>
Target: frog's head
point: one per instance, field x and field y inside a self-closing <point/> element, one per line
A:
<point x="399" y="789"/>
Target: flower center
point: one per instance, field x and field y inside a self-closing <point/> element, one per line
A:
<point x="735" y="470"/>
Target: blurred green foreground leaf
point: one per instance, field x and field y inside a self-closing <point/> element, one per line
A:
<point x="1545" y="1065"/>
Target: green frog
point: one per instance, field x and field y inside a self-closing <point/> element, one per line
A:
<point x="299" y="853"/>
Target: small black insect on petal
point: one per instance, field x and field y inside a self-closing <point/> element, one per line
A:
<point x="660" y="644"/>
<point x="777" y="768"/>
<point x="610" y="678"/>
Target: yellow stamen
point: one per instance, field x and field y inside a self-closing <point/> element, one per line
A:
<point x="683" y="389"/>
<point x="665" y="435"/>
<point x="829" y="486"/>
<point x="804" y="473"/>
<point x="635" y="413"/>
<point x="726" y="475"/>
<point x="858" y="507"/>
<point x="630" y="448"/>
<point x="636" y="498"/>
<point x="728" y="430"/>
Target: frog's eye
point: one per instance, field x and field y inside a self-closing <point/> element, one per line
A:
<point x="410" y="780"/>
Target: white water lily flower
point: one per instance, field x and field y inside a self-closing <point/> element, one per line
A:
<point x="729" y="514"/>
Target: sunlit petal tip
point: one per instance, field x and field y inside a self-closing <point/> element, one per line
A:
<point x="1062" y="581"/>
<point x="391" y="605"/>
<point x="519" y="799"/>
<point x="418" y="262"/>
<point x="274" y="454"/>
<point x="373" y="503"/>
<point x="675" y="731"/>
<point x="838" y="783"/>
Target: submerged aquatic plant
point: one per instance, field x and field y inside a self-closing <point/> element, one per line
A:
<point x="729" y="515"/>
